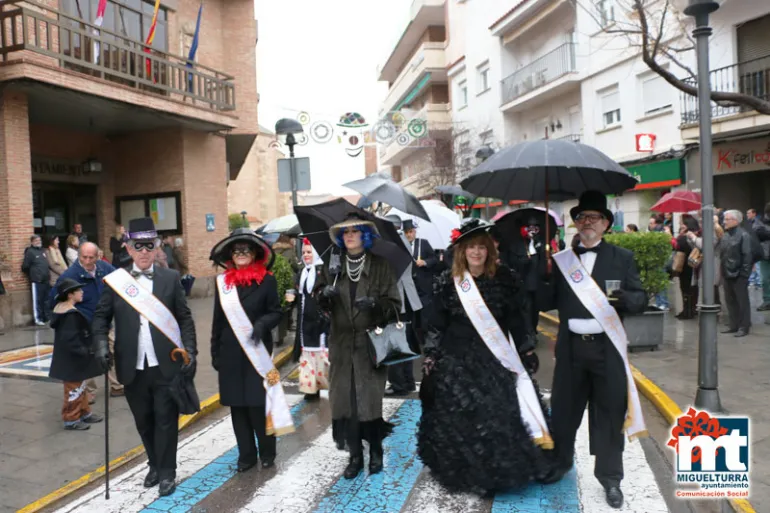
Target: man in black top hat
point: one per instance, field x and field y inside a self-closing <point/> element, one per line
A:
<point x="143" y="349"/>
<point x="589" y="369"/>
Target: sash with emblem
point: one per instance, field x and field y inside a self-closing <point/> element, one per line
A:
<point x="597" y="304"/>
<point x="279" y="421"/>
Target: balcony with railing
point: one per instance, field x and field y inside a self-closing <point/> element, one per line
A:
<point x="540" y="73"/>
<point x="37" y="33"/>
<point x="751" y="78"/>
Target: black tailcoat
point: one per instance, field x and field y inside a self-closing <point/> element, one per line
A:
<point x="239" y="383"/>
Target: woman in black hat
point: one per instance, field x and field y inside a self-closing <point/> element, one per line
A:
<point x="246" y="259"/>
<point x="471" y="433"/>
<point x="73" y="356"/>
<point x="364" y="294"/>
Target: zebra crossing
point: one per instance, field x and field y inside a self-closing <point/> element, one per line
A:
<point x="308" y="477"/>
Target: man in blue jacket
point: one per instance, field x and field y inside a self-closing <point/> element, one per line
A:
<point x="89" y="271"/>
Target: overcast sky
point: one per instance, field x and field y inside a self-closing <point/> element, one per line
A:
<point x="321" y="57"/>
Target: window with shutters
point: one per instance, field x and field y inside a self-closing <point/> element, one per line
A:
<point x="754" y="57"/>
<point x="656" y="94"/>
<point x="609" y="101"/>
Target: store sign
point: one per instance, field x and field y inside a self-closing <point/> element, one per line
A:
<point x="659" y="174"/>
<point x="51" y="170"/>
<point x="734" y="159"/>
<point x="645" y="143"/>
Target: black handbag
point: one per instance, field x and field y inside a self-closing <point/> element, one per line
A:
<point x="389" y="345"/>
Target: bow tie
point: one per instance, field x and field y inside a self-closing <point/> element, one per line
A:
<point x="580" y="250"/>
<point x="148" y="274"/>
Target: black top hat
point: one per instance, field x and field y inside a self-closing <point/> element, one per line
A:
<point x="142" y="229"/>
<point x="408" y="224"/>
<point x="66" y="286"/>
<point x="221" y="254"/>
<point x="592" y="200"/>
<point x="468" y="229"/>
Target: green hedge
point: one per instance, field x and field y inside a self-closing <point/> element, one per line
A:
<point x="284" y="275"/>
<point x="651" y="253"/>
<point x="236" y="221"/>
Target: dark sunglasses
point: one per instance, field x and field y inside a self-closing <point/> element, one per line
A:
<point x="148" y="246"/>
<point x="242" y="251"/>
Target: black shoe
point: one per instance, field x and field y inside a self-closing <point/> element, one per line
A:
<point x="355" y="466"/>
<point x="614" y="496"/>
<point x="151" y="479"/>
<point x="245" y="466"/>
<point x="554" y="476"/>
<point x="312" y="397"/>
<point x="268" y="463"/>
<point x="375" y="458"/>
<point x="167" y="487"/>
<point x="741" y="333"/>
<point x="396" y="393"/>
<point x="729" y="330"/>
<point x="763" y="307"/>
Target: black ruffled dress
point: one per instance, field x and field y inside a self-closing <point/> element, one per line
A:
<point x="471" y="435"/>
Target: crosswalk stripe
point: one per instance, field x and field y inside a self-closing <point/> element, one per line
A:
<point x="428" y="496"/>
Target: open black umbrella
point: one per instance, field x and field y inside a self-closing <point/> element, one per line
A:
<point x="509" y="225"/>
<point x="385" y="190"/>
<point x="316" y="220"/>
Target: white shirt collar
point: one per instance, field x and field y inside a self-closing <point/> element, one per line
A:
<point x="151" y="269"/>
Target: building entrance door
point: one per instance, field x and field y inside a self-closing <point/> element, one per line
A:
<point x="57" y="207"/>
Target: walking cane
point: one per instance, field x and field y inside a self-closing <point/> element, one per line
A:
<point x="107" y="435"/>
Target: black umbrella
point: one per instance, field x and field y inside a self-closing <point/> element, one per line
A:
<point x="385" y="190"/>
<point x="546" y="170"/>
<point x="510" y="224"/>
<point x="316" y="220"/>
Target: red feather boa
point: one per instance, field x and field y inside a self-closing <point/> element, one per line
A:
<point x="244" y="277"/>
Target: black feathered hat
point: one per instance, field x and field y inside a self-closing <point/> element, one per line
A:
<point x="222" y="251"/>
<point x="66" y="286"/>
<point x="469" y="228"/>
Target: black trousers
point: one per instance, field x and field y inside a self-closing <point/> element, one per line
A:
<point x="42" y="311"/>
<point x="737" y="299"/>
<point x="533" y="311"/>
<point x="156" y="416"/>
<point x="246" y="422"/>
<point x="593" y="375"/>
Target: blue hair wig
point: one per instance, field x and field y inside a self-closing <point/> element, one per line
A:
<point x="367" y="236"/>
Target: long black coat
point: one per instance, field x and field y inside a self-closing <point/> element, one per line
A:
<point x="239" y="382"/>
<point x="168" y="289"/>
<point x="73" y="351"/>
<point x="423" y="276"/>
<point x="310" y="324"/>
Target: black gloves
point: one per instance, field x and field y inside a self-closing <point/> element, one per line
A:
<point x="531" y="362"/>
<point x="258" y="333"/>
<point x="329" y="292"/>
<point x="365" y="303"/>
<point x="102" y="356"/>
<point x="188" y="369"/>
<point x="618" y="299"/>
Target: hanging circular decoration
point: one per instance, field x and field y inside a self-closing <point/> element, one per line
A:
<point x="321" y="132"/>
<point x="384" y="131"/>
<point x="303" y="118"/>
<point x="403" y="139"/>
<point x="417" y="128"/>
<point x="302" y="139"/>
<point x="398" y="119"/>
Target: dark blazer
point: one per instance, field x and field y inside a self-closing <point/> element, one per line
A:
<point x="239" y="382"/>
<point x="423" y="276"/>
<point x="73" y="358"/>
<point x="167" y="287"/>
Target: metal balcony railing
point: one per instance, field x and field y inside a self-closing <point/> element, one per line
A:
<point x="569" y="137"/>
<point x="539" y="72"/>
<point x="750" y="77"/>
<point x="81" y="46"/>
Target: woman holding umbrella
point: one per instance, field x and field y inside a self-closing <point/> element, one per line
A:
<point x="246" y="259"/>
<point x="362" y="294"/>
<point x="483" y="426"/>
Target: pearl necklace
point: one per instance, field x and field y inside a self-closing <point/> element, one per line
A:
<point x="355" y="274"/>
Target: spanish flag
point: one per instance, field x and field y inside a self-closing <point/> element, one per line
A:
<point x="151" y="36"/>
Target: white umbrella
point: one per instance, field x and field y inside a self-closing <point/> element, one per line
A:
<point x="282" y="224"/>
<point x="439" y="230"/>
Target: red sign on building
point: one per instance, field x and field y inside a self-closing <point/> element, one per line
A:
<point x="645" y="142"/>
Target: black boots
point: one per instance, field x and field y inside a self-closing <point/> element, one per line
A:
<point x="356" y="461"/>
<point x="375" y="457"/>
<point x="355" y="466"/>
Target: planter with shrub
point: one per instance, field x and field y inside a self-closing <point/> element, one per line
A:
<point x="284" y="275"/>
<point x="651" y="252"/>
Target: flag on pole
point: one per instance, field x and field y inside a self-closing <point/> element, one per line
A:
<point x="98" y="22"/>
<point x="194" y="48"/>
<point x="151" y="36"/>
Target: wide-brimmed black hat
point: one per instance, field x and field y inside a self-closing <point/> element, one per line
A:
<point x="66" y="286"/>
<point x="469" y="228"/>
<point x="352" y="219"/>
<point x="592" y="200"/>
<point x="408" y="224"/>
<point x="221" y="254"/>
<point x="142" y="228"/>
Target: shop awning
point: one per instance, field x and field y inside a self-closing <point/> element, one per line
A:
<point x="414" y="92"/>
<point x="659" y="174"/>
<point x="237" y="148"/>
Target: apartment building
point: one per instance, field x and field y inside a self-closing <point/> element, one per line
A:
<point x="97" y="128"/>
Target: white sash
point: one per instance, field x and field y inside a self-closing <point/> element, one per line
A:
<point x="145" y="303"/>
<point x="597" y="304"/>
<point x="277" y="412"/>
<point x="504" y="349"/>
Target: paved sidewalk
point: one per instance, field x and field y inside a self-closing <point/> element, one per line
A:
<point x="744" y="382"/>
<point x="36" y="455"/>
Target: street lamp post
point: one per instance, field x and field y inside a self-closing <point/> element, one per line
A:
<point x="483" y="154"/>
<point x="286" y="128"/>
<point x="707" y="396"/>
